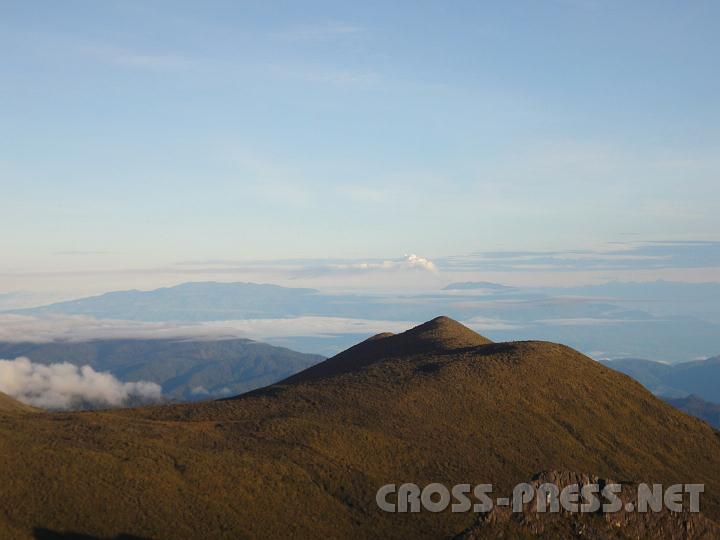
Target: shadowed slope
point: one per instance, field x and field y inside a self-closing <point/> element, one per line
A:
<point x="305" y="460"/>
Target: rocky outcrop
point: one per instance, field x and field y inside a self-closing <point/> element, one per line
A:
<point x="502" y="522"/>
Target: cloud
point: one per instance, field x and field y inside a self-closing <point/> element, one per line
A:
<point x="20" y="328"/>
<point x="651" y="255"/>
<point x="66" y="386"/>
<point x="588" y="321"/>
<point x="413" y="261"/>
<point x="408" y="262"/>
<point x="688" y="261"/>
<point x="200" y="391"/>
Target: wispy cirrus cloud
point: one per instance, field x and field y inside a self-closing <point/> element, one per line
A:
<point x="137" y="59"/>
<point x="70" y="48"/>
<point x="326" y="74"/>
<point x="342" y="76"/>
<point x="319" y="32"/>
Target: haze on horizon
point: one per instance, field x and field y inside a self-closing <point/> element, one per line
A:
<point x="150" y="143"/>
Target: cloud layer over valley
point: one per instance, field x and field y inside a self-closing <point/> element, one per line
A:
<point x="66" y="386"/>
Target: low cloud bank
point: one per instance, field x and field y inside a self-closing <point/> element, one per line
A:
<point x="66" y="386"/>
<point x="19" y="328"/>
<point x="408" y="262"/>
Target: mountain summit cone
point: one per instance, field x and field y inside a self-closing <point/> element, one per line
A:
<point x="439" y="335"/>
<point x="443" y="334"/>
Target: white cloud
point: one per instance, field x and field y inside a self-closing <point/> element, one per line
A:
<point x="65" y="386"/>
<point x="413" y="261"/>
<point x="408" y="262"/>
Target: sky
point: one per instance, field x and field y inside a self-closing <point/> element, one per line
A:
<point x="142" y="142"/>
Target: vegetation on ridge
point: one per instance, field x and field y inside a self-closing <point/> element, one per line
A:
<point x="305" y="458"/>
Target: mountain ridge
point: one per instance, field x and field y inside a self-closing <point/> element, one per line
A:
<point x="674" y="380"/>
<point x="697" y="406"/>
<point x="11" y="405"/>
<point x="306" y="458"/>
<point x="187" y="368"/>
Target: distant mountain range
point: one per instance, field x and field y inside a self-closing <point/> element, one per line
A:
<point x="660" y="320"/>
<point x="693" y="387"/>
<point x="305" y="458"/>
<point x="186" y="369"/>
<point x="710" y="412"/>
<point x="197" y="301"/>
<point x="700" y="377"/>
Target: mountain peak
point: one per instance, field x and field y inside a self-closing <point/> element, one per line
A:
<point x="443" y="334"/>
<point x="439" y="335"/>
<point x="371" y="415"/>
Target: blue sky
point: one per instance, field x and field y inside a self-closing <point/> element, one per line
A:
<point x="141" y="134"/>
